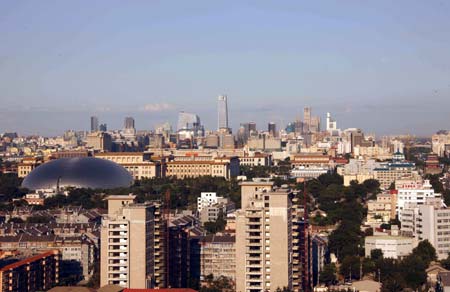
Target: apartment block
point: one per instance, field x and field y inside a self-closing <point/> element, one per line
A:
<point x="127" y="244"/>
<point x="218" y="256"/>
<point x="263" y="238"/>
<point x="36" y="273"/>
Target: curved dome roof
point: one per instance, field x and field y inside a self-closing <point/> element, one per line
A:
<point x="86" y="172"/>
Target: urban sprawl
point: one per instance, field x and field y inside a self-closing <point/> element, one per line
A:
<point x="310" y="207"/>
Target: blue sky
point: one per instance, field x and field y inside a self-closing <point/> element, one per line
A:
<point x="383" y="66"/>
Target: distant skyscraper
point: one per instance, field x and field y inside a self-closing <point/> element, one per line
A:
<point x="331" y="123"/>
<point x="252" y="127"/>
<point x="306" y="119"/>
<point x="129" y="132"/>
<point x="222" y="112"/>
<point x="94" y="124"/>
<point x="314" y="126"/>
<point x="103" y="127"/>
<point x="187" y="121"/>
<point x="129" y="123"/>
<point x="272" y="128"/>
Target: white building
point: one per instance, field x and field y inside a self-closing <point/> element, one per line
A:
<point x="412" y="191"/>
<point x="308" y="172"/>
<point x="207" y="199"/>
<point x="394" y="247"/>
<point x="429" y="221"/>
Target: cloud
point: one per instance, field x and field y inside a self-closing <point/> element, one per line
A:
<point x="157" y="107"/>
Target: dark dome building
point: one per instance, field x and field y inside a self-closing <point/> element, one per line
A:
<point x="86" y="172"/>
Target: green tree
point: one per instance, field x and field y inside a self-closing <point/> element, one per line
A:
<point x="425" y="251"/>
<point x="350" y="267"/>
<point x="376" y="254"/>
<point x="328" y="275"/>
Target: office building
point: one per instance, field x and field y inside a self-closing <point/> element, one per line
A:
<point x="129" y="130"/>
<point x="388" y="173"/>
<point x="263" y="238"/>
<point x="218" y="256"/>
<point x="103" y="127"/>
<point x="272" y="129"/>
<point x="99" y="141"/>
<point x="314" y="126"/>
<point x="222" y="113"/>
<point x="331" y="124"/>
<point x="306" y="119"/>
<point x="139" y="164"/>
<point x="413" y="191"/>
<point x="195" y="166"/>
<point x="129" y="123"/>
<point x="94" y="124"/>
<point x="430" y="221"/>
<point x="252" y="128"/>
<point x="36" y="273"/>
<point x="127" y="244"/>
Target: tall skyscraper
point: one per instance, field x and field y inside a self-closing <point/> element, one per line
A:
<point x="272" y="128"/>
<point x="94" y="124"/>
<point x="252" y="127"/>
<point x="129" y="123"/>
<point x="306" y="119"/>
<point x="222" y="113"/>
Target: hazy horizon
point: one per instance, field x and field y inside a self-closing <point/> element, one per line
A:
<point x="381" y="66"/>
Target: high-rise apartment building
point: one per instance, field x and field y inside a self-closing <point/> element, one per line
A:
<point x="264" y="238"/>
<point x="94" y="124"/>
<point x="127" y="244"/>
<point x="222" y="113"/>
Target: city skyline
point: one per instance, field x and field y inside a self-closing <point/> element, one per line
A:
<point x="382" y="66"/>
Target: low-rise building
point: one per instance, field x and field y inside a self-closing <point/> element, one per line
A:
<point x="27" y="165"/>
<point x="395" y="247"/>
<point x="210" y="206"/>
<point x="382" y="210"/>
<point x="139" y="164"/>
<point x="225" y="167"/>
<point x="310" y="172"/>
